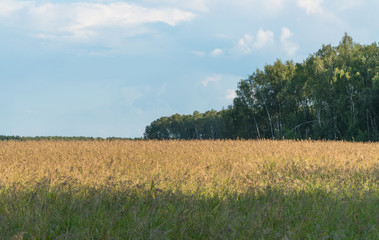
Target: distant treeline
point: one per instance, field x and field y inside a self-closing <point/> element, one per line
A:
<point x="59" y="138"/>
<point x="333" y="94"/>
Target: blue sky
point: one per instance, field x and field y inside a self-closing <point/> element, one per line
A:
<point x="108" y="68"/>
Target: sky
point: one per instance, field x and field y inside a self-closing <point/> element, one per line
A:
<point x="106" y="68"/>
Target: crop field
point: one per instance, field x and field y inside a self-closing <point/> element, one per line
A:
<point x="189" y="190"/>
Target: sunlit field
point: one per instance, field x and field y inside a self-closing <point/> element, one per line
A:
<point x="189" y="190"/>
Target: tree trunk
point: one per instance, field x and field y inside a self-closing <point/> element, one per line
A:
<point x="319" y="116"/>
<point x="350" y="91"/>
<point x="269" y="118"/>
<point x="256" y="126"/>
<point x="368" y="126"/>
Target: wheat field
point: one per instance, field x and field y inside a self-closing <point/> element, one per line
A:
<point x="189" y="190"/>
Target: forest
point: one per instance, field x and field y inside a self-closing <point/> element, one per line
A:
<point x="332" y="95"/>
<point x="63" y="138"/>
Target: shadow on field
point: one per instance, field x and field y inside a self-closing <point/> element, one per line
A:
<point x="68" y="212"/>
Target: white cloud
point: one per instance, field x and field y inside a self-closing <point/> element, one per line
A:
<point x="198" y="53"/>
<point x="7" y="7"/>
<point x="273" y="6"/>
<point x="286" y="33"/>
<point x="195" y="5"/>
<point x="245" y="44"/>
<point x="84" y="20"/>
<point x="217" y="52"/>
<point x="311" y="6"/>
<point x="119" y="14"/>
<point x="248" y="42"/>
<point x="210" y="79"/>
<point x="343" y="5"/>
<point x="230" y="94"/>
<point x="267" y="6"/>
<point x="263" y="38"/>
<point x="288" y="46"/>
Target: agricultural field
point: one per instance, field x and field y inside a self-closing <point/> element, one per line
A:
<point x="189" y="190"/>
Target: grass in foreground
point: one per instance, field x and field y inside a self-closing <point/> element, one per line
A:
<point x="189" y="190"/>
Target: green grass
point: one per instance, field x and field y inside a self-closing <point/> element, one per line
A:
<point x="77" y="212"/>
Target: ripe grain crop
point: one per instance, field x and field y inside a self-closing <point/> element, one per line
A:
<point x="189" y="189"/>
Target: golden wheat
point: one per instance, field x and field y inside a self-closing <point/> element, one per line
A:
<point x="189" y="190"/>
<point x="189" y="166"/>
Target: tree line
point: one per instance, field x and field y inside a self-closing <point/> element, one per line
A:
<point x="61" y="138"/>
<point x="333" y="94"/>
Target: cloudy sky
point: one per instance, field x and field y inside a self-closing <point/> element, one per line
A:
<point x="109" y="68"/>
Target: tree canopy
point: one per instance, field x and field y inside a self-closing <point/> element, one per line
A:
<point x="333" y="94"/>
